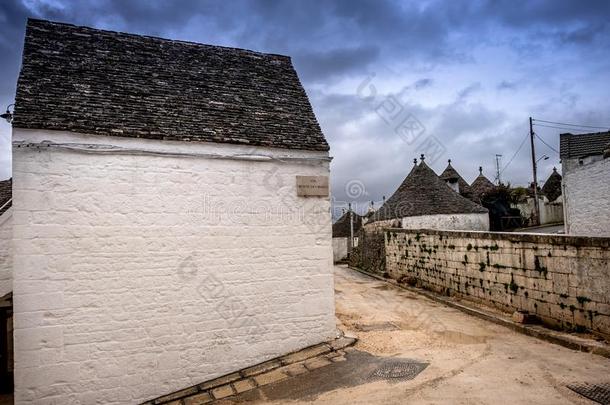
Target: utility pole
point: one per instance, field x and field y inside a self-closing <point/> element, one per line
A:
<point x="536" y="207"/>
<point x="351" y="229"/>
<point x="498" y="168"/>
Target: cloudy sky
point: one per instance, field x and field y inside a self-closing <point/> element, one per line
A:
<point x="389" y="80"/>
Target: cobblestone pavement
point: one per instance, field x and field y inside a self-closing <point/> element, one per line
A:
<point x="467" y="360"/>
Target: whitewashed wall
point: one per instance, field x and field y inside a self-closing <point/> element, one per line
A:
<point x="464" y="222"/>
<point x="550" y="212"/>
<point x="586" y="191"/>
<point x="135" y="276"/>
<point x="6" y="266"/>
<point x="339" y="249"/>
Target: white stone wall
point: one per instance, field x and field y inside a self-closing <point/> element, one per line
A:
<point x="6" y="266"/>
<point x="466" y="222"/>
<point x="339" y="249"/>
<point x="586" y="191"/>
<point x="550" y="212"/>
<point x="138" y="275"/>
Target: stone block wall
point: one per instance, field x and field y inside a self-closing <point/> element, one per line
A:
<point x="369" y="253"/>
<point x="563" y="280"/>
<point x="139" y="274"/>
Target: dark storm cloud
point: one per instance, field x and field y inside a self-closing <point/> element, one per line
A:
<point x="414" y="47"/>
<point x="326" y="64"/>
<point x="12" y="17"/>
<point x="585" y="35"/>
<point x="469" y="90"/>
<point x="422" y="84"/>
<point x="506" y="85"/>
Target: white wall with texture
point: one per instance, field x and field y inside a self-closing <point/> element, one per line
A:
<point x="138" y="275"/>
<point x="6" y="265"/>
<point x="460" y="222"/>
<point x="586" y="192"/>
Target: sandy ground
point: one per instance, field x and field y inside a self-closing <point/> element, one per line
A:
<point x="471" y="361"/>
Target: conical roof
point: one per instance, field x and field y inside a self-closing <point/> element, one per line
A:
<point x="552" y="186"/>
<point x="451" y="175"/>
<point x="341" y="228"/>
<point x="481" y="186"/>
<point x="423" y="193"/>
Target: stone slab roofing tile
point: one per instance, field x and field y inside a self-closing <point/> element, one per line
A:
<point x="6" y="192"/>
<point x="109" y="83"/>
<point x="575" y="146"/>
<point x="423" y="193"/>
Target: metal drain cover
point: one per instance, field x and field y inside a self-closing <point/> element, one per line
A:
<point x="399" y="370"/>
<point x="599" y="393"/>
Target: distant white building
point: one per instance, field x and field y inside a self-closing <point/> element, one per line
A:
<point x="171" y="216"/>
<point x="346" y="227"/>
<point x="585" y="162"/>
<point x="550" y="201"/>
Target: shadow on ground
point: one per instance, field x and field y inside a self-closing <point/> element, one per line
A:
<point x="358" y="368"/>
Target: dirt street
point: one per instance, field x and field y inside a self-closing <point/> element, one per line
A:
<point x="464" y="360"/>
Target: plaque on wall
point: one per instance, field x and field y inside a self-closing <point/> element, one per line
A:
<point x="312" y="186"/>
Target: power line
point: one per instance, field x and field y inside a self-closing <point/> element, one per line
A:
<point x="572" y="125"/>
<point x="515" y="154"/>
<point x="543" y="141"/>
<point x="564" y="128"/>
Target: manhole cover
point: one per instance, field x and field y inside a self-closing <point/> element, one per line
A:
<point x="401" y="371"/>
<point x="599" y="393"/>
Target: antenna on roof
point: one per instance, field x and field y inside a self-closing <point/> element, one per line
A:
<point x="498" y="168"/>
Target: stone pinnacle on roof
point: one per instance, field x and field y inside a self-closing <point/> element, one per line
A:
<point x="423" y="193"/>
<point x="451" y="175"/>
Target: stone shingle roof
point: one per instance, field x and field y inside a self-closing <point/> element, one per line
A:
<point x="575" y="146"/>
<point x="341" y="228"/>
<point x="552" y="186"/>
<point x="481" y="186"/>
<point x="423" y="193"/>
<point x="450" y="174"/>
<point x="108" y="83"/>
<point x="6" y="192"/>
